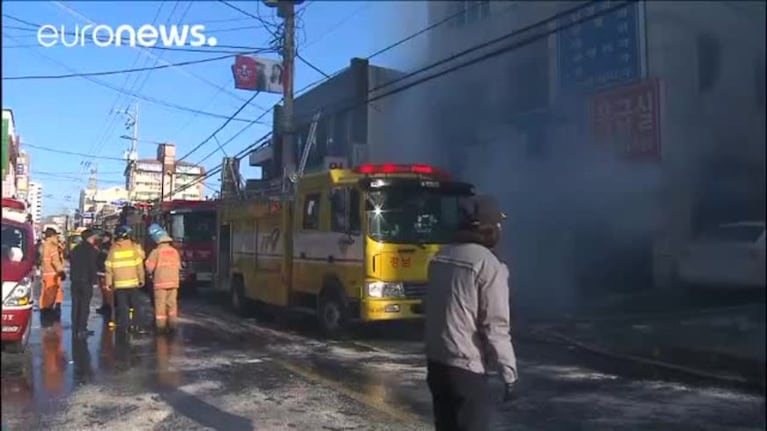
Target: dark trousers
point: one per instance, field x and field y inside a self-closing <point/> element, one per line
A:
<point x="462" y="400"/>
<point x="124" y="300"/>
<point x="81" y="305"/>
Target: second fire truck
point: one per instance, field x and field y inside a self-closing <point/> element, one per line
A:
<point x="349" y="244"/>
<point x="192" y="225"/>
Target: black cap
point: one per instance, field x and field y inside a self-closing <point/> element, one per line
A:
<point x="87" y="233"/>
<point x="481" y="210"/>
<point x="50" y="232"/>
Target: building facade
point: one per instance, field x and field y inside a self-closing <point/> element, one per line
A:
<point x="97" y="203"/>
<point x="10" y="154"/>
<point x="348" y="129"/>
<point x="35" y="200"/>
<point x="149" y="179"/>
<point x="613" y="135"/>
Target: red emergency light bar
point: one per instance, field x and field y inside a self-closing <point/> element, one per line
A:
<point x="391" y="168"/>
<point x="14" y="204"/>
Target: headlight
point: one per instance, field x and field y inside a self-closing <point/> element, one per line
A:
<point x="383" y="289"/>
<point x="20" y="295"/>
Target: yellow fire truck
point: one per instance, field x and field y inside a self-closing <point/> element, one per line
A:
<point x="349" y="244"/>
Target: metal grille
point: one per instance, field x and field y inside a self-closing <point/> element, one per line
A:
<point x="414" y="290"/>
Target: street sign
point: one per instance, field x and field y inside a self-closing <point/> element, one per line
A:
<point x="603" y="51"/>
<point x="626" y="120"/>
<point x="86" y="215"/>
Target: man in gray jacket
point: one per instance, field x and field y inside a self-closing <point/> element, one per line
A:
<point x="467" y="321"/>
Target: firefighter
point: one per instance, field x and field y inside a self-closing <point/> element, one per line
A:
<point x="106" y="294"/>
<point x="142" y="255"/>
<point x="53" y="273"/>
<point x="164" y="264"/>
<point x="125" y="275"/>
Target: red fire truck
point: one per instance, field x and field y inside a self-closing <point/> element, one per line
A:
<point x="18" y="274"/>
<point x="192" y="225"/>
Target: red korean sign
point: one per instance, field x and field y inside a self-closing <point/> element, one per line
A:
<point x="627" y="120"/>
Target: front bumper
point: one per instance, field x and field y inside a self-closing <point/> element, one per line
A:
<point x="391" y="309"/>
<point x="15" y="322"/>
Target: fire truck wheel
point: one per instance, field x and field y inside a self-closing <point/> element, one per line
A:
<point x="331" y="313"/>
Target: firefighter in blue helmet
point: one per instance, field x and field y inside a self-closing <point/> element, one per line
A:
<point x="164" y="265"/>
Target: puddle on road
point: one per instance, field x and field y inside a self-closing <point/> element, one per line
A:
<point x="55" y="364"/>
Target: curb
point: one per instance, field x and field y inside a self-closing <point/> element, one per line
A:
<point x="549" y="335"/>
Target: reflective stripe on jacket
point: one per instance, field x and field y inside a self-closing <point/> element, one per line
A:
<point x="164" y="263"/>
<point x="124" y="266"/>
<point x="52" y="261"/>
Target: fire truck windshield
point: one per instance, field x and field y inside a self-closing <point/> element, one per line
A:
<point x="14" y="241"/>
<point x="193" y="227"/>
<point x="412" y="215"/>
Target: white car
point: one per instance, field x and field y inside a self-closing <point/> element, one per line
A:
<point x="729" y="255"/>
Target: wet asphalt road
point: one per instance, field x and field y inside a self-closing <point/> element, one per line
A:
<point x="223" y="372"/>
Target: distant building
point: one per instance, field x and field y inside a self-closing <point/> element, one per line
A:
<point x="97" y="203"/>
<point x="35" y="200"/>
<point x="9" y="155"/>
<point x="148" y="179"/>
<point x="22" y="176"/>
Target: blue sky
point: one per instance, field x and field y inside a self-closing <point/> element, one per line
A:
<point x="74" y="114"/>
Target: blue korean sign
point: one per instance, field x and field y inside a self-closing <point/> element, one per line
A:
<point x="600" y="52"/>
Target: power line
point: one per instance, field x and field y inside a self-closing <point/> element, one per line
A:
<point x="78" y="173"/>
<point x="496" y="52"/>
<point x="228" y="120"/>
<point x="235" y="48"/>
<point x="326" y="76"/>
<point x="353" y="104"/>
<point x="71" y="153"/>
<point x="73" y="12"/>
<point x="140" y="96"/>
<point x="118" y="72"/>
<point x="74" y="178"/>
<point x="221" y="146"/>
<point x="113" y="121"/>
<point x="246" y="13"/>
<point x="313" y="67"/>
<point x="74" y="34"/>
<point x="263" y="141"/>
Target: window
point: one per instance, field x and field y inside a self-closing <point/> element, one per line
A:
<point x="467" y="12"/>
<point x="193" y="227"/>
<point x="709" y="61"/>
<point x="345" y="209"/>
<point x="312" y="211"/>
<point x="401" y="215"/>
<point x="14" y="241"/>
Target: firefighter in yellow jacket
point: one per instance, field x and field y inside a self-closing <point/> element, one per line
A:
<point x="164" y="265"/>
<point x="52" y="272"/>
<point x="125" y="274"/>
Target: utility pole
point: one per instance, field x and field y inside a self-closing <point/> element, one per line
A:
<point x="132" y="155"/>
<point x="288" y="13"/>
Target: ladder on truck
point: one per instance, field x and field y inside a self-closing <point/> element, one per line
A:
<point x="311" y="141"/>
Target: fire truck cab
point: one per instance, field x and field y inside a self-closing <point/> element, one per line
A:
<point x="18" y="274"/>
<point x="348" y="245"/>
